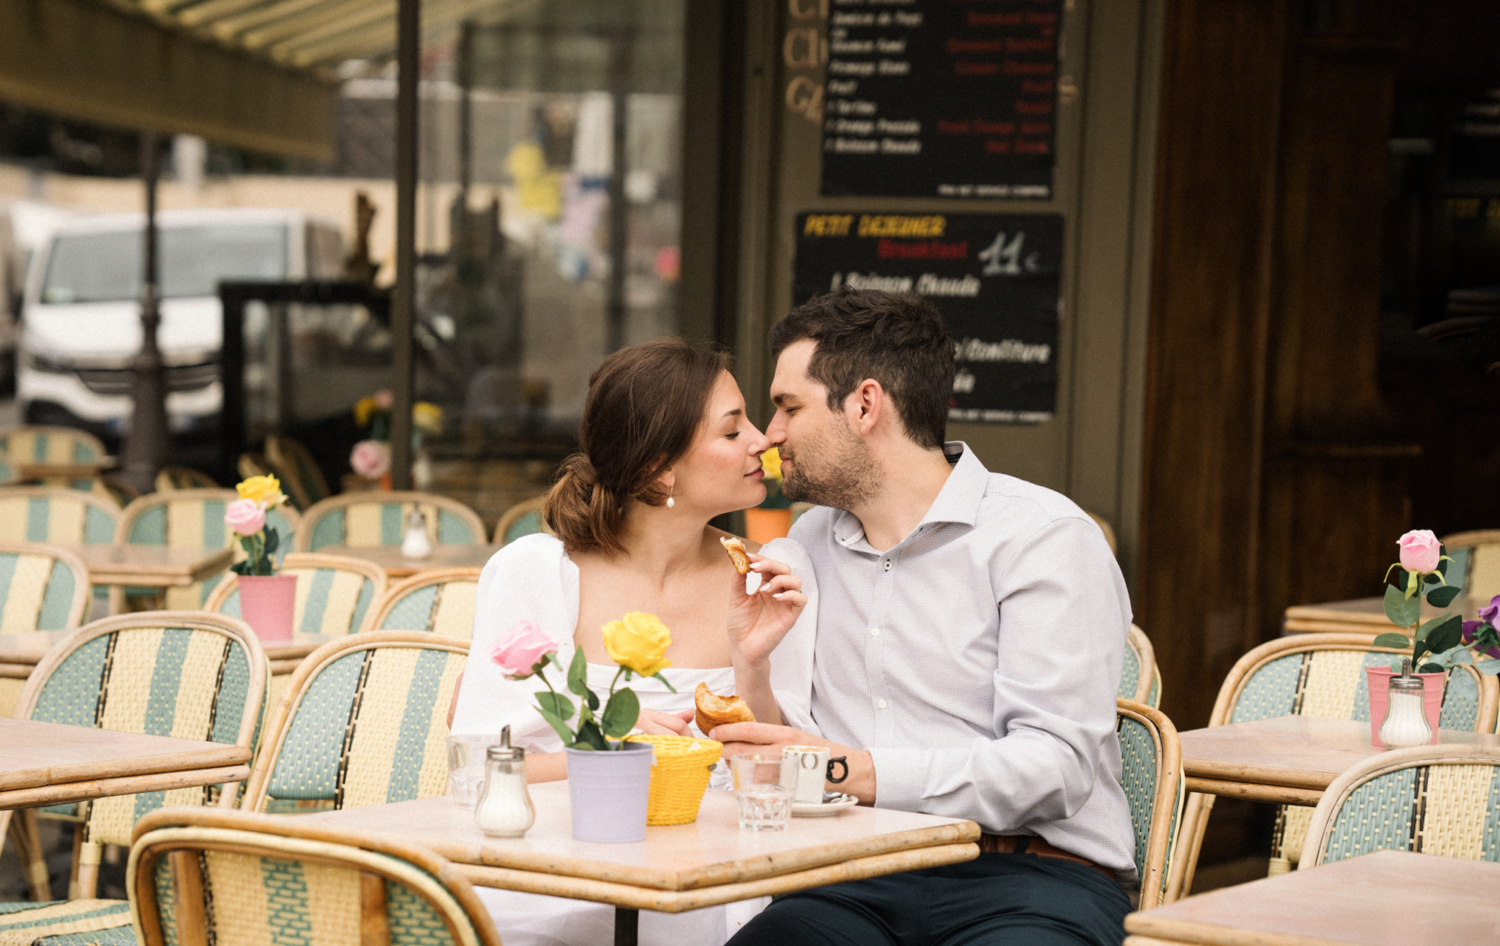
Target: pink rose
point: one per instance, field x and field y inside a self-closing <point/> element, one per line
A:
<point x="245" y="516"/>
<point x="370" y="459"/>
<point x="519" y="650"/>
<point x="1420" y="551"/>
<point x="384" y="399"/>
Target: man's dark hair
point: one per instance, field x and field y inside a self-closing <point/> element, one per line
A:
<point x="896" y="338"/>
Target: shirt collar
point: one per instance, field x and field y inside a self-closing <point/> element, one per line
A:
<point x="958" y="500"/>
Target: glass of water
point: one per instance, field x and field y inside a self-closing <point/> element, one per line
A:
<point x="765" y="798"/>
<point x="466" y="766"/>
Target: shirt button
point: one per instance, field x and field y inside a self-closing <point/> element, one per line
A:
<point x="881" y="704"/>
<point x="874" y="632"/>
<point x="887" y="564"/>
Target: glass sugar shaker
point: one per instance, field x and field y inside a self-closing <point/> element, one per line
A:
<point x="1405" y="718"/>
<point x="504" y="809"/>
<point x="415" y="543"/>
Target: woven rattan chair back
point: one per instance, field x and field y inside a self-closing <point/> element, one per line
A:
<point x="10" y="471"/>
<point x="42" y="588"/>
<point x="55" y="446"/>
<point x="183" y="477"/>
<point x="66" y="516"/>
<point x="524" y="518"/>
<point x="253" y="464"/>
<point x="1154" y="785"/>
<point x="367" y="520"/>
<point x="279" y="880"/>
<point x="1322" y="676"/>
<point x="1442" y="800"/>
<point x="192" y="518"/>
<point x="294" y="465"/>
<point x="1107" y="529"/>
<point x="363" y="722"/>
<point x="185" y="674"/>
<point x="1477" y="555"/>
<point x="1140" y="679"/>
<point x="334" y="593"/>
<point x="438" y="602"/>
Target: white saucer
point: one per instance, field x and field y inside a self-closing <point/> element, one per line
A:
<point x="823" y="810"/>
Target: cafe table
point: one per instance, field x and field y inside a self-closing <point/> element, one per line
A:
<point x="396" y="565"/>
<point x="50" y="764"/>
<point x="678" y="867"/>
<point x="1362" y="616"/>
<point x="1388" y="898"/>
<point x="151" y="565"/>
<point x="1285" y="760"/>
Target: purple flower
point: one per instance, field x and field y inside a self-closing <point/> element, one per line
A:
<point x="1471" y="633"/>
<point x="1491" y="611"/>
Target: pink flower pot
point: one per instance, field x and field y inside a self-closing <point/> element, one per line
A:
<point x="1378" y="679"/>
<point x="268" y="603"/>
<point x="608" y="792"/>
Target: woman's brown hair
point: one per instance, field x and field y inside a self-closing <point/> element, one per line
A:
<point x="643" y="409"/>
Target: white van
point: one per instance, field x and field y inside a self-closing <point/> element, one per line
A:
<point x="81" y="324"/>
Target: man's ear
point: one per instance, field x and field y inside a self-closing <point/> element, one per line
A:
<point x="865" y="406"/>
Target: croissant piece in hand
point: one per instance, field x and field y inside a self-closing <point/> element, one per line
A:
<point x="714" y="710"/>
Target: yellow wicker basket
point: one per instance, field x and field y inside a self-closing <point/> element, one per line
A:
<point x="679" y="778"/>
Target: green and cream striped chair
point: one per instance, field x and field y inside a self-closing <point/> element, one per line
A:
<point x="191" y="518"/>
<point x="298" y="472"/>
<point x="1442" y="800"/>
<point x="1140" y="679"/>
<point x="182" y="477"/>
<point x="1151" y="775"/>
<point x="1321" y="676"/>
<point x="53" y="446"/>
<point x="189" y="675"/>
<point x="439" y="602"/>
<point x="281" y="880"/>
<point x="1476" y="560"/>
<point x="524" y="518"/>
<point x="334" y="593"/>
<point x="377" y="518"/>
<point x="364" y="722"/>
<point x="60" y="516"/>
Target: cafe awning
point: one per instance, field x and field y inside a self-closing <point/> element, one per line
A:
<point x="256" y="74"/>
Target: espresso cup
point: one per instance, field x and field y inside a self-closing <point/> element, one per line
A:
<point x="804" y="769"/>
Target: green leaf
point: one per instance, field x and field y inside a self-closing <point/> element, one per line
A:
<point x="1400" y="641"/>
<point x="556" y="704"/>
<point x="1446" y="635"/>
<point x="558" y="726"/>
<point x="578" y="673"/>
<point x="1401" y="610"/>
<point x="1432" y="578"/>
<point x="663" y="679"/>
<point x="1442" y="597"/>
<point x="1432" y="668"/>
<point x="620" y="714"/>
<point x="1418" y="649"/>
<point x="1443" y="561"/>
<point x="273" y="539"/>
<point x="589" y="735"/>
<point x="593" y="700"/>
<point x="1489" y="666"/>
<point x="1457" y="656"/>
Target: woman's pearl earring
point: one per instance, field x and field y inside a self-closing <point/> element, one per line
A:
<point x="670" y="501"/>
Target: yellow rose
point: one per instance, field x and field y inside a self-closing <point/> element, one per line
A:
<point x="770" y="463"/>
<point x="638" y="642"/>
<point x="428" y="417"/>
<point x="363" y="408"/>
<point x="265" y="490"/>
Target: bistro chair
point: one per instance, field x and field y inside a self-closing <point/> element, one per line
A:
<point x="294" y="465"/>
<point x="363" y="722"/>
<point x="371" y="519"/>
<point x="1476" y="556"/>
<point x="182" y="477"/>
<point x="1141" y="677"/>
<point x="1321" y="676"/>
<point x="1152" y="777"/>
<point x="254" y="464"/>
<point x="278" y="880"/>
<point x="1442" y="800"/>
<point x="10" y="471"/>
<point x="1107" y="529"/>
<point x="53" y="446"/>
<point x="524" y="518"/>
<point x="191" y="518"/>
<point x="334" y="593"/>
<point x="441" y="601"/>
<point x="185" y="674"/>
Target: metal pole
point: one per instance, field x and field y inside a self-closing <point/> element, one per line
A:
<point x="145" y="449"/>
<point x="619" y="210"/>
<point x="403" y="308"/>
<point x="466" y="111"/>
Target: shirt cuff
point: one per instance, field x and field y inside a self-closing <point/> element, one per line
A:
<point x="899" y="775"/>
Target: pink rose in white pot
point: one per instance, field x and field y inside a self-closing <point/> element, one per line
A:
<point x="245" y="516"/>
<point x="1420" y="551"/>
<point x="370" y="459"/>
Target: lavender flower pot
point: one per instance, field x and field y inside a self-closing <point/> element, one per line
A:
<point x="608" y="792"/>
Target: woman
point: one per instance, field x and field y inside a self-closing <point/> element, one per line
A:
<point x="666" y="446"/>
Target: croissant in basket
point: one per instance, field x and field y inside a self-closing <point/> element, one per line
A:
<point x="714" y="710"/>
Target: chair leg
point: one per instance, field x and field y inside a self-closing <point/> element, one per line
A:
<point x="89" y="856"/>
<point x="23" y="828"/>
<point x="1190" y="841"/>
<point x="73" y="888"/>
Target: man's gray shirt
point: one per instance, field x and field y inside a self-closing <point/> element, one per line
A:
<point x="978" y="660"/>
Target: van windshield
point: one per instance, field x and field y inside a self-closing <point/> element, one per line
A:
<point x="106" y="267"/>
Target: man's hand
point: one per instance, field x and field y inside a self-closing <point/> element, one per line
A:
<point x="742" y="738"/>
<point x="664" y="724"/>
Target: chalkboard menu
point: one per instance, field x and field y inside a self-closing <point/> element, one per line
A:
<point x="941" y="98"/>
<point x="994" y="277"/>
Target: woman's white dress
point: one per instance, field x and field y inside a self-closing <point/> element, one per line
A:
<point x="533" y="578"/>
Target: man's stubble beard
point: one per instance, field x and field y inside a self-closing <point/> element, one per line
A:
<point x="847" y="479"/>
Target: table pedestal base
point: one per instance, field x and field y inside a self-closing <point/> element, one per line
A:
<point x="627" y="926"/>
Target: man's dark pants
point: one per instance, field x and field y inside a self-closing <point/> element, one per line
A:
<point x="997" y="899"/>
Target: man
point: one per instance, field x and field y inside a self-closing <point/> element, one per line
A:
<point x="971" y="630"/>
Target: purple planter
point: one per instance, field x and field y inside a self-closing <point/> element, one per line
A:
<point x="608" y="793"/>
<point x="268" y="604"/>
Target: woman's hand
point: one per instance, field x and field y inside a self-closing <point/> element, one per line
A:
<point x="758" y="622"/>
<point x="664" y="724"/>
